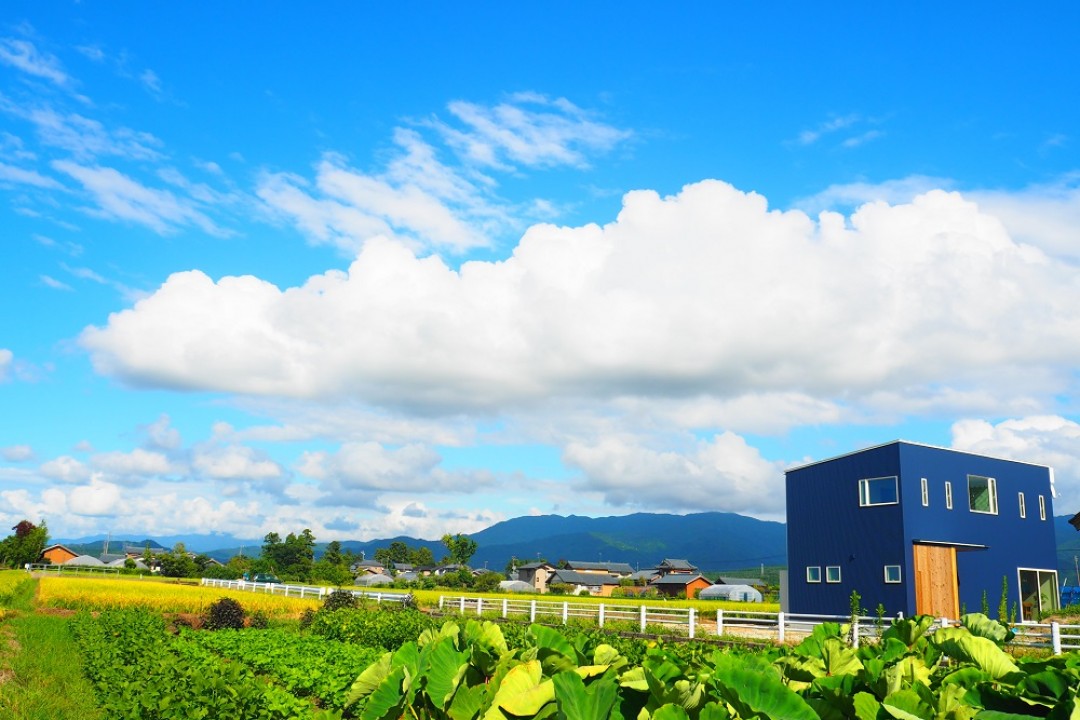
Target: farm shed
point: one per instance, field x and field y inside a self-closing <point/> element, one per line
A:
<point x="920" y="529"/>
<point x="679" y="584"/>
<point x="515" y="586"/>
<point x="372" y="580"/>
<point x="85" y="561"/>
<point x="58" y="554"/>
<point x="739" y="593"/>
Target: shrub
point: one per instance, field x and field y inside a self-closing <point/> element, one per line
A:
<point x="340" y="599"/>
<point x="259" y="620"/>
<point x="226" y="613"/>
<point x="306" y="618"/>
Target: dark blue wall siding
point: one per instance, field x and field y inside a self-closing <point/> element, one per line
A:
<point x="1012" y="541"/>
<point x="826" y="527"/>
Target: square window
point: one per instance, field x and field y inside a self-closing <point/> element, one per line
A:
<point x="813" y="574"/>
<point x="832" y="573"/>
<point x="982" y="494"/>
<point x="925" y="493"/>
<point x="878" y="491"/>
<point x="1023" y="506"/>
<point x="948" y="495"/>
<point x="892" y="574"/>
<point x="1042" y="507"/>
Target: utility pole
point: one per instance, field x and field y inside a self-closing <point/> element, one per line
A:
<point x="1077" y="566"/>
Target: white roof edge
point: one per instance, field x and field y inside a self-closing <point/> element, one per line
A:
<point x="920" y="444"/>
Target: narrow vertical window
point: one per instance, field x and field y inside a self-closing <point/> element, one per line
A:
<point x="925" y="493"/>
<point x="832" y="573"/>
<point x="1023" y="506"/>
<point x="948" y="495"/>
<point x="892" y="574"/>
<point x="1042" y="507"/>
<point x="813" y="574"/>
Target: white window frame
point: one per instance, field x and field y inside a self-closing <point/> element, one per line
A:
<point x="1042" y="507"/>
<point x="1023" y="505"/>
<point x="813" y="573"/>
<point x="828" y="573"/>
<point x="864" y="491"/>
<point x="925" y="487"/>
<point x="898" y="578"/>
<point x="991" y="489"/>
<point x="948" y="495"/>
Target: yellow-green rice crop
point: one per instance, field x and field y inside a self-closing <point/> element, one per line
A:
<point x="113" y="593"/>
<point x="9" y="580"/>
<point x="430" y="598"/>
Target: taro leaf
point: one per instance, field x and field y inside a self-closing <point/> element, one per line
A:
<point x="1046" y="687"/>
<point x="468" y="702"/>
<point x="443" y="667"/>
<point x="952" y="703"/>
<point x="907" y="705"/>
<point x="839" y="659"/>
<point x="761" y="694"/>
<point x="587" y="671"/>
<point x="670" y="712"/>
<point x="811" y="644"/>
<point x="866" y="706"/>
<point x="982" y="626"/>
<point x="369" y="679"/>
<point x="486" y="645"/>
<point x="546" y="637"/>
<point x="908" y="673"/>
<point x="607" y="655"/>
<point x="714" y="711"/>
<point x="909" y="630"/>
<point x="578" y="702"/>
<point x="965" y="677"/>
<point x="387" y="700"/>
<point x="801" y="669"/>
<point x="522" y="692"/>
<point x="449" y="629"/>
<point x="634" y="679"/>
<point x="891" y="649"/>
<point x="960" y="644"/>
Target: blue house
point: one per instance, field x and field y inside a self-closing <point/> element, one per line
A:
<point x="920" y="529"/>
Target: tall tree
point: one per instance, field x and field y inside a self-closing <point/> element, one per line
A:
<point x="461" y="547"/>
<point x="24" y="545"/>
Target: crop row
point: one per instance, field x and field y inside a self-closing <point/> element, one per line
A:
<point x="141" y="672"/>
<point x="10" y="580"/>
<point x="107" y="594"/>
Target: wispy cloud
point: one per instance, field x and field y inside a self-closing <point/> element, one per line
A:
<point x="21" y="176"/>
<point x="24" y="56"/>
<point x="832" y="125"/>
<point x="529" y="129"/>
<point x="49" y="281"/>
<point x="851" y="128"/>
<point x="123" y="198"/>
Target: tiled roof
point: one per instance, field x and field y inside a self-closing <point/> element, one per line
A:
<point x="572" y="577"/>
<point x="680" y="579"/>
<point x="615" y="567"/>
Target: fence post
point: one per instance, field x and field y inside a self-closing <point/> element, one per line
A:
<point x="780" y="627"/>
<point x="532" y="611"/>
<point x="719" y="622"/>
<point x="440" y="602"/>
<point x="506" y="604"/>
<point x="692" y="612"/>
<point x="900" y="615"/>
<point x="565" y="612"/>
<point x="855" y="633"/>
<point x="600" y="617"/>
<point x="462" y="604"/>
<point x="1055" y="637"/>
<point x="479" y="606"/>
<point x="643" y="610"/>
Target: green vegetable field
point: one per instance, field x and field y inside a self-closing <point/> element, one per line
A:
<point x="384" y="663"/>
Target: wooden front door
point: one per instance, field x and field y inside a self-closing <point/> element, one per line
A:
<point x="935" y="581"/>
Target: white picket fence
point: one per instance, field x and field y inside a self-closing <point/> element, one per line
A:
<point x="779" y="626"/>
<point x="300" y="591"/>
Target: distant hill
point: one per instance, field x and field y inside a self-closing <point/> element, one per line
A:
<point x="713" y="541"/>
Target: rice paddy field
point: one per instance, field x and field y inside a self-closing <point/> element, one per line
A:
<point x="83" y="593"/>
<point x="430" y="598"/>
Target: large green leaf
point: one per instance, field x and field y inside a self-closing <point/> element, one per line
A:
<point x="369" y="679"/>
<point x="670" y="712"/>
<point x="634" y="679"/>
<point x="442" y="667"/>
<point x="468" y="702"/>
<point x="982" y="626"/>
<point x="754" y="694"/>
<point x="387" y="700"/>
<point x="907" y="705"/>
<point x="838" y="659"/>
<point x="546" y="637"/>
<point x="449" y="629"/>
<point x="909" y="630"/>
<point x="522" y="692"/>
<point x="577" y="701"/>
<point x="866" y="706"/>
<point x="714" y="711"/>
<point x="960" y="644"/>
<point x="910" y="672"/>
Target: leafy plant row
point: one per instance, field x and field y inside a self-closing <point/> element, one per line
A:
<point x="384" y="628"/>
<point x="467" y="672"/>
<point x="305" y="665"/>
<point x="141" y="672"/>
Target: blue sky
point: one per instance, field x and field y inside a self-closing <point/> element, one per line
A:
<point x="381" y="270"/>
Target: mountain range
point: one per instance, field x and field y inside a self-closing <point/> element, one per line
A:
<point x="713" y="541"/>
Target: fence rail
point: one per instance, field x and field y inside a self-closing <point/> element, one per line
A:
<point x="779" y="626"/>
<point x="58" y="569"/>
<point x="300" y="591"/>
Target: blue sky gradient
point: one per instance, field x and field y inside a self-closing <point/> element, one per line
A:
<point x="394" y="270"/>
